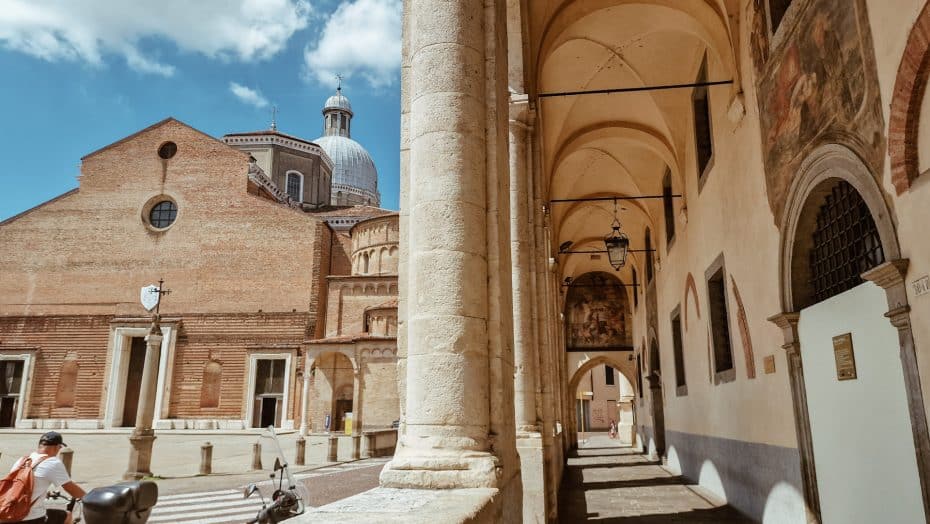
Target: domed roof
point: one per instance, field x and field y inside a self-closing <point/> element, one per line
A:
<point x="337" y="101"/>
<point x="352" y="165"/>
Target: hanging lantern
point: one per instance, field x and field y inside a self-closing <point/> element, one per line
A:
<point x="617" y="244"/>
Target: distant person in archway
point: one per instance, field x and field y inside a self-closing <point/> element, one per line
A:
<point x="612" y="432"/>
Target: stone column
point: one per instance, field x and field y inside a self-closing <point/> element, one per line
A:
<point x="305" y="398"/>
<point x="524" y="348"/>
<point x="788" y="322"/>
<point x="358" y="387"/>
<point x="891" y="277"/>
<point x="143" y="436"/>
<point x="452" y="164"/>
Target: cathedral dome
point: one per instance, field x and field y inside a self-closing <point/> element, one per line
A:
<point x="355" y="179"/>
<point x="353" y="169"/>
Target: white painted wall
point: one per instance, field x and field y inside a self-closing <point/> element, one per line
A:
<point x="863" y="446"/>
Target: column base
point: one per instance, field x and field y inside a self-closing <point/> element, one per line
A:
<point x="532" y="453"/>
<point x="140" y="455"/>
<point x="441" y="469"/>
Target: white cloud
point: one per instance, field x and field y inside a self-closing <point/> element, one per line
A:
<point x="361" y="38"/>
<point x="249" y="96"/>
<point x="90" y="30"/>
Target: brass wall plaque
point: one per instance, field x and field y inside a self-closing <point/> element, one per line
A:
<point x="769" y="364"/>
<point x="845" y="359"/>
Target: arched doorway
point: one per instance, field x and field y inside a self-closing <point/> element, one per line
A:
<point x="332" y="384"/>
<point x="859" y="435"/>
<point x="603" y="392"/>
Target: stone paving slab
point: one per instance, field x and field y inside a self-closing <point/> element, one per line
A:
<point x="605" y="482"/>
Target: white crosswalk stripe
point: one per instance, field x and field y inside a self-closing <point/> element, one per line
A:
<point x="227" y="505"/>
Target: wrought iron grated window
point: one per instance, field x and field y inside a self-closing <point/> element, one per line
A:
<point x="846" y="243"/>
<point x="163" y="214"/>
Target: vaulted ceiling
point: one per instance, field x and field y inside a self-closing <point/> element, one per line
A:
<point x="618" y="144"/>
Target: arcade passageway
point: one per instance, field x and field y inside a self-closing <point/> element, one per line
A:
<point x="607" y="482"/>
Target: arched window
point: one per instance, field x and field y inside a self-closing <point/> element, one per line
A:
<point x="365" y="263"/>
<point x="844" y="243"/>
<point x="648" y="254"/>
<point x="295" y="185"/>
<point x="669" y="206"/>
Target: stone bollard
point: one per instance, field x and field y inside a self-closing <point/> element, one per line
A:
<point x="356" y="447"/>
<point x="301" y="451"/>
<point x="66" y="455"/>
<point x="206" y="458"/>
<point x="333" y="449"/>
<point x="257" y="455"/>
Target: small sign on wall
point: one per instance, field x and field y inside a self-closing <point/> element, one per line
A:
<point x="921" y="286"/>
<point x="768" y="363"/>
<point x="845" y="358"/>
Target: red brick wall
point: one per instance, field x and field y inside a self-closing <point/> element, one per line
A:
<point x="54" y="338"/>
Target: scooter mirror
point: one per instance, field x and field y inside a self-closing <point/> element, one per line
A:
<point x="249" y="491"/>
<point x="277" y="464"/>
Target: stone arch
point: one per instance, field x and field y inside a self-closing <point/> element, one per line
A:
<point x="830" y="161"/>
<point x="826" y="164"/>
<point x="592" y="363"/>
<point x="906" y="101"/>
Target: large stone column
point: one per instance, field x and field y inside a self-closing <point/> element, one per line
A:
<point x="143" y="436"/>
<point x="524" y="346"/>
<point x="454" y="361"/>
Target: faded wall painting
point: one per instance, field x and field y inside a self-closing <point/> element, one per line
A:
<point x="817" y="83"/>
<point x="597" y="315"/>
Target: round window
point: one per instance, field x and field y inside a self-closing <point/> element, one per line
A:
<point x="167" y="150"/>
<point x="163" y="214"/>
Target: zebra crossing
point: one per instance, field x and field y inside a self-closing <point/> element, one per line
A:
<point x="227" y="505"/>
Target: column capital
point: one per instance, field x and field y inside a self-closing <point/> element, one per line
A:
<point x="889" y="274"/>
<point x="788" y="322"/>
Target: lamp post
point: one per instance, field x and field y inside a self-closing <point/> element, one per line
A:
<point x="143" y="435"/>
<point x="617" y="243"/>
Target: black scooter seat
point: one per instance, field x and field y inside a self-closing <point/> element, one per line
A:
<point x="124" y="503"/>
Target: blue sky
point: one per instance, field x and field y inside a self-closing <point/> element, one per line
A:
<point x="77" y="76"/>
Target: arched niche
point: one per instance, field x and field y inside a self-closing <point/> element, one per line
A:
<point x="211" y="384"/>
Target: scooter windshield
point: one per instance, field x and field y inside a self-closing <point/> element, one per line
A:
<point x="303" y="496"/>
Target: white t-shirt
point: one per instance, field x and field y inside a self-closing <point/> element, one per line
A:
<point x="50" y="471"/>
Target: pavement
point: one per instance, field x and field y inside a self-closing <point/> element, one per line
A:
<point x="607" y="482"/>
<point x="101" y="457"/>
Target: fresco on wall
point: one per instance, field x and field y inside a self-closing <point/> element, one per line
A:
<point x="596" y="313"/>
<point x="816" y="83"/>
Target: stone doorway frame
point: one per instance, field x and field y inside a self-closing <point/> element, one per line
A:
<point x="117" y="367"/>
<point x="834" y="161"/>
<point x="289" y="371"/>
<point x="27" y="355"/>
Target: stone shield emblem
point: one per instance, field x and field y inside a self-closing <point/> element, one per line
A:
<point x="149" y="296"/>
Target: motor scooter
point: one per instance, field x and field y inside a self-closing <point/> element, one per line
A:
<point x="123" y="503"/>
<point x="289" y="497"/>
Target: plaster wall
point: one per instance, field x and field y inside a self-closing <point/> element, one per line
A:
<point x="864" y="417"/>
<point x="333" y="379"/>
<point x="891" y="23"/>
